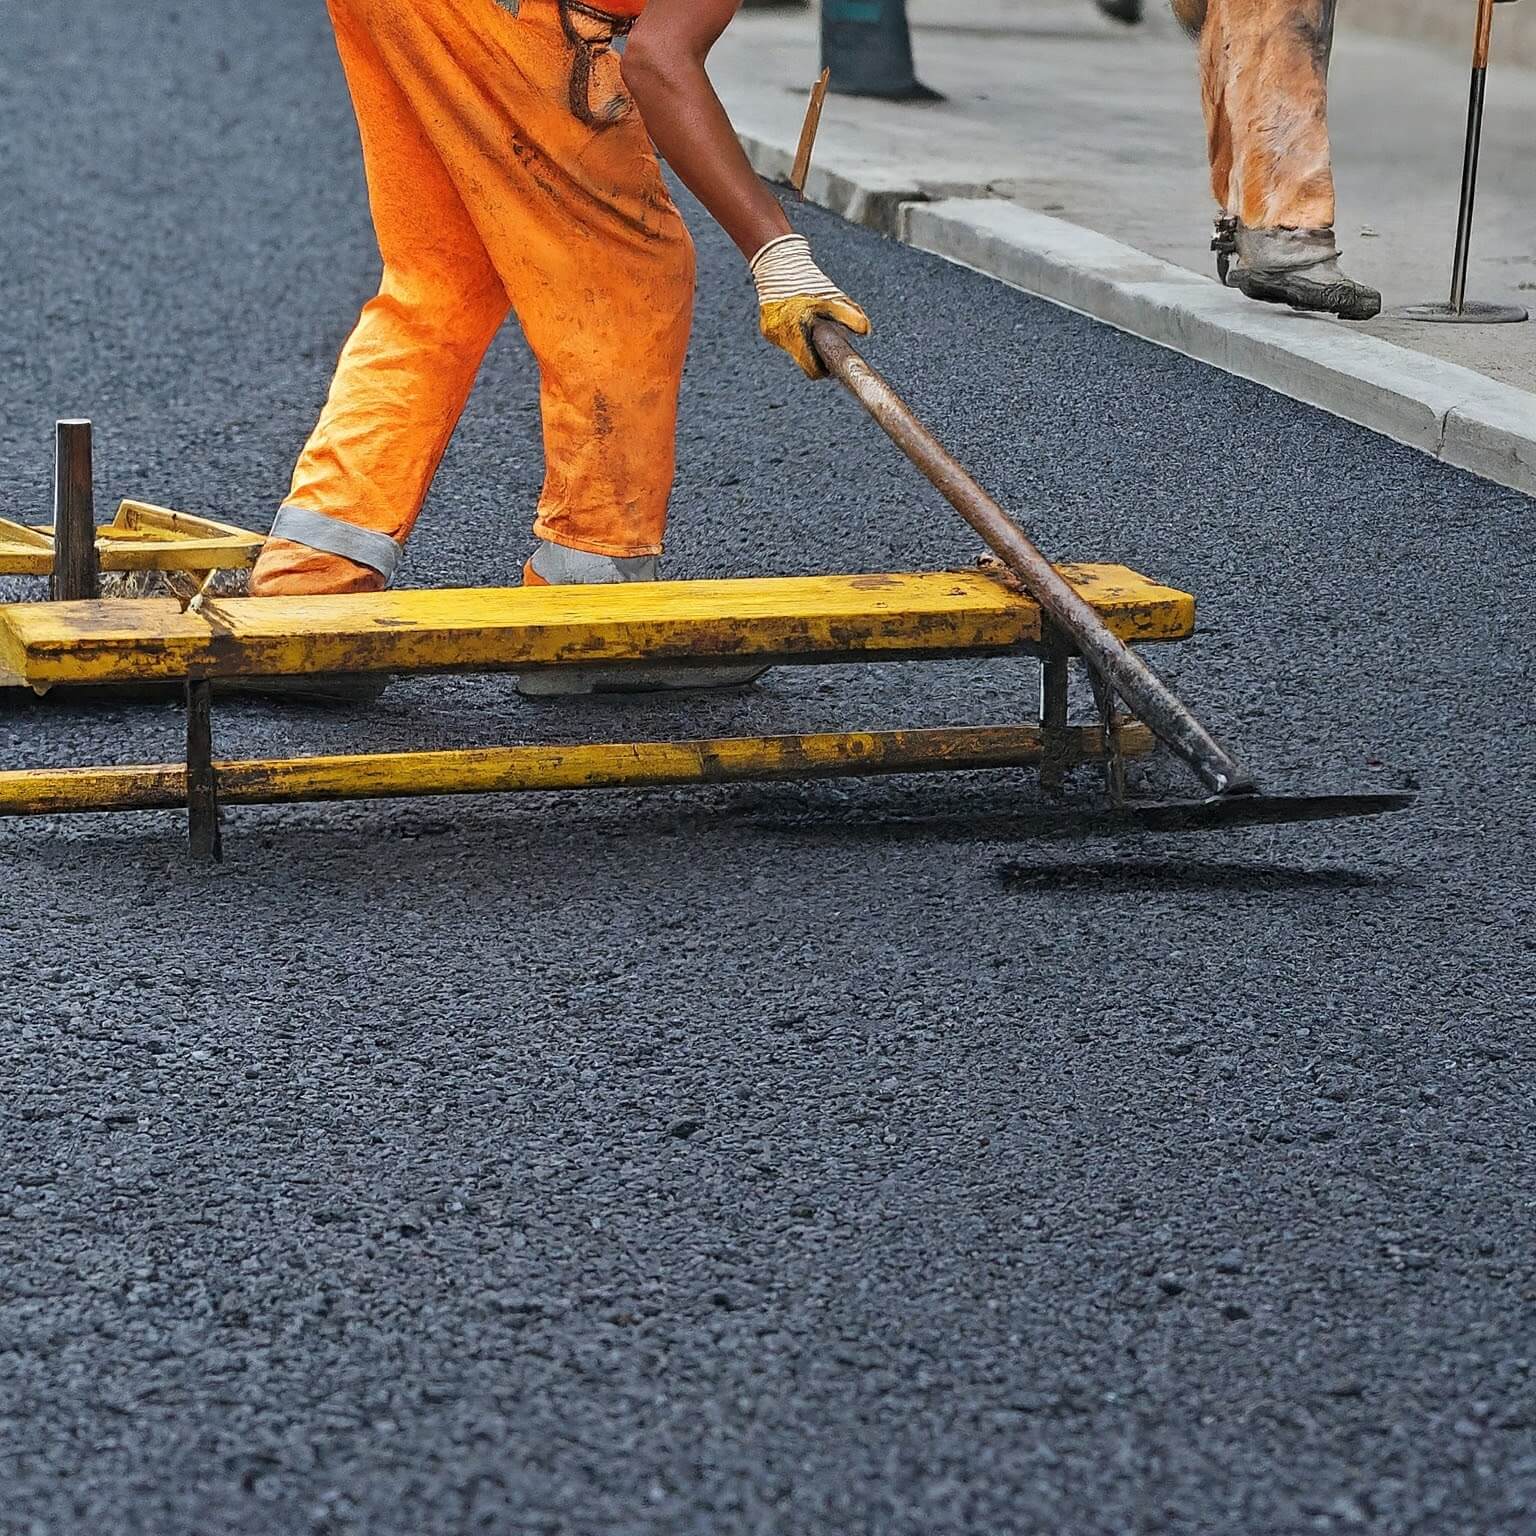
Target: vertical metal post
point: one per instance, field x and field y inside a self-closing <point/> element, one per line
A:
<point x="1055" y="678"/>
<point x="1114" y="752"/>
<point x="202" y="780"/>
<point x="1478" y="95"/>
<point x="1459" y="311"/>
<point x="76" y="572"/>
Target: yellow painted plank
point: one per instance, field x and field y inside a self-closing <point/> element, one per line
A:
<point x="144" y="537"/>
<point x="600" y="765"/>
<point x="491" y="629"/>
<point x="24" y="551"/>
<point x="140" y="552"/>
<point x="145" y="518"/>
<point x="141" y="538"/>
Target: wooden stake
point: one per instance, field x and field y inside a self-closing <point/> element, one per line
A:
<point x="802" y="165"/>
<point x="76" y="571"/>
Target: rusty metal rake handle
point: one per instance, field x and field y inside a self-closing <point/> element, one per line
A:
<point x="1124" y="671"/>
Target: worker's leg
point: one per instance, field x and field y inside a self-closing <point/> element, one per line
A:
<point x="409" y="365"/>
<point x="541" y="141"/>
<point x="1264" y="72"/>
<point x="1264" y="86"/>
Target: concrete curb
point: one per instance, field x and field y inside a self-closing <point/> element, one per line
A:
<point x="1441" y="408"/>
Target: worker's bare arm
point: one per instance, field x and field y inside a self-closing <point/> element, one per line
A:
<point x="664" y="68"/>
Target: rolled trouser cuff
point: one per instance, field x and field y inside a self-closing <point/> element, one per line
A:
<point x="558" y="565"/>
<point x="1285" y="250"/>
<point x="335" y="536"/>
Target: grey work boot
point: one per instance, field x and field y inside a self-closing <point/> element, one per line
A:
<point x="1128" y="11"/>
<point x="1299" y="267"/>
<point x="553" y="565"/>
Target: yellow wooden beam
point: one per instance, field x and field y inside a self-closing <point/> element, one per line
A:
<point x="507" y="770"/>
<point x="145" y="517"/>
<point x="24" y="551"/>
<point x="802" y="618"/>
<point x="144" y="537"/>
<point x="140" y="538"/>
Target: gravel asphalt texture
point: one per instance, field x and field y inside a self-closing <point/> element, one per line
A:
<point x="712" y="1162"/>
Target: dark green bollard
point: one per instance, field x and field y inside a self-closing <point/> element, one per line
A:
<point x="867" y="45"/>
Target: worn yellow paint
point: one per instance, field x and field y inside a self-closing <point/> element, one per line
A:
<point x="505" y="770"/>
<point x="140" y="538"/>
<point x="143" y="537"/>
<point x="801" y="618"/>
<point x="24" y="551"/>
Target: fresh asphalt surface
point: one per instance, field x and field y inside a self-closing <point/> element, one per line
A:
<point x="711" y="1162"/>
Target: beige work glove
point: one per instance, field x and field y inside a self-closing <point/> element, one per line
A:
<point x="793" y="293"/>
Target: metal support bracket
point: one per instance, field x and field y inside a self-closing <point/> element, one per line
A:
<point x="206" y="838"/>
<point x="1114" y="747"/>
<point x="1055" y="678"/>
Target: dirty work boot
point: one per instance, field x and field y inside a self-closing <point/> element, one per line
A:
<point x="553" y="565"/>
<point x="1128" y="11"/>
<point x="1299" y="267"/>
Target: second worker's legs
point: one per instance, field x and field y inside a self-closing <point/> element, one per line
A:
<point x="1264" y="85"/>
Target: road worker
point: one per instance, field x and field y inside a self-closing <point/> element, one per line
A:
<point x="508" y="146"/>
<point x="1264" y="86"/>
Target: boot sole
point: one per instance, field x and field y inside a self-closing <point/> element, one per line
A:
<point x="1342" y="299"/>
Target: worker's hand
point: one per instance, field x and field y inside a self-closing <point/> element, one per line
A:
<point x="793" y="293"/>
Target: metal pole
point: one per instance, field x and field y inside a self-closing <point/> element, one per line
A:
<point x="1475" y="101"/>
<point x="1151" y="698"/>
<point x="76" y="571"/>
<point x="201" y="778"/>
<point x="1459" y="310"/>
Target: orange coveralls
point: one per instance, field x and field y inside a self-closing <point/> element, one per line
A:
<point x="1264" y="86"/>
<point x="507" y="168"/>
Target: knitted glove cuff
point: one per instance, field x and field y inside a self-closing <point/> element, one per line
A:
<point x="783" y="269"/>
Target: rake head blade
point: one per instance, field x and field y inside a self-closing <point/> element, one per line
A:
<point x="1219" y="813"/>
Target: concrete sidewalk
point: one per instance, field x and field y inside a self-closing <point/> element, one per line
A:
<point x="1448" y="23"/>
<point x="1069" y="159"/>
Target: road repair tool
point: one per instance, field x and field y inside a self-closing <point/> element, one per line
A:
<point x="1114" y="668"/>
<point x="1459" y="311"/>
<point x="1025" y="607"/>
<point x="816" y="619"/>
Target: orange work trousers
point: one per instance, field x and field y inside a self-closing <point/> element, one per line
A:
<point x="507" y="168"/>
<point x="1264" y="86"/>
